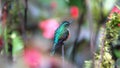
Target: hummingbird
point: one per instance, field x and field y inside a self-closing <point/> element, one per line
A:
<point x="61" y="34"/>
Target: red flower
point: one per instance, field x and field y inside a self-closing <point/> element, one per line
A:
<point x="48" y="26"/>
<point x="1" y="42"/>
<point x="119" y="24"/>
<point x="74" y="11"/>
<point x="53" y="5"/>
<point x="115" y="9"/>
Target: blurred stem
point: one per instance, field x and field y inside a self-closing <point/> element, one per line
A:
<point x="102" y="47"/>
<point x="5" y="40"/>
<point x="75" y="47"/>
<point x="4" y="26"/>
<point x="101" y="54"/>
<point x="92" y="32"/>
<point x="26" y="8"/>
<point x="25" y="19"/>
<point x="63" y="56"/>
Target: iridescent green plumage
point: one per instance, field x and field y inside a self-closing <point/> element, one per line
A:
<point x="61" y="34"/>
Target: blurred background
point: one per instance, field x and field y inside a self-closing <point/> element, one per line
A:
<point x="27" y="30"/>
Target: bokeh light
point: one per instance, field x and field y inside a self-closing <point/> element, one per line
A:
<point x="48" y="27"/>
<point x="32" y="57"/>
<point x="74" y="11"/>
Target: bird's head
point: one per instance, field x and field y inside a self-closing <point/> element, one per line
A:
<point x="66" y="23"/>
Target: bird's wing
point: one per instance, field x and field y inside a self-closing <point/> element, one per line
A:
<point x="64" y="36"/>
<point x="60" y="38"/>
<point x="56" y="39"/>
<point x="57" y="35"/>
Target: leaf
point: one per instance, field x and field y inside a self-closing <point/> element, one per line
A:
<point x="117" y="53"/>
<point x="16" y="42"/>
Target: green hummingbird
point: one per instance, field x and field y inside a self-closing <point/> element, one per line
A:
<point x="61" y="34"/>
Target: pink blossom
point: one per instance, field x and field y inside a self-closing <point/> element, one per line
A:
<point x="48" y="27"/>
<point x="115" y="9"/>
<point x="32" y="57"/>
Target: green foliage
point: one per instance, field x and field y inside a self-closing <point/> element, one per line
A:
<point x="111" y="34"/>
<point x="17" y="42"/>
<point x="88" y="64"/>
<point x="11" y="26"/>
<point x="100" y="9"/>
<point x="112" y="29"/>
<point x="117" y="53"/>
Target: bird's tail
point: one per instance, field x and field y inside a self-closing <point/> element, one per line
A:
<point x="55" y="46"/>
<point x="52" y="52"/>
